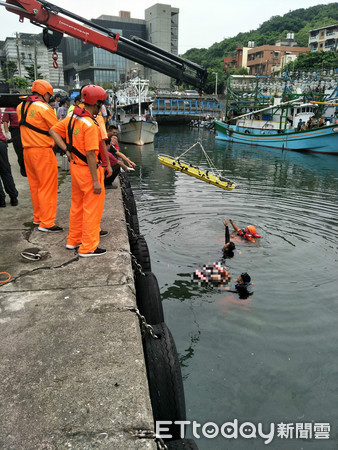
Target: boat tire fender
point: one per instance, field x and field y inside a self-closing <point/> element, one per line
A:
<point x="182" y="444"/>
<point x="132" y="221"/>
<point x="148" y="298"/>
<point x="164" y="378"/>
<point x="124" y="179"/>
<point x="139" y="249"/>
<point x="129" y="201"/>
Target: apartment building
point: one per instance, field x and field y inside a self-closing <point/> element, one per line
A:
<point x="162" y="30"/>
<point x="324" y="39"/>
<point x="264" y="59"/>
<point x="28" y="50"/>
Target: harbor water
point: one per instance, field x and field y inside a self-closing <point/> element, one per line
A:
<point x="272" y="358"/>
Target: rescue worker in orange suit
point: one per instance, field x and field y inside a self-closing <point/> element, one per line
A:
<point x="36" y="117"/>
<point x="82" y="134"/>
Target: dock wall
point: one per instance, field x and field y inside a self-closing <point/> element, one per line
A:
<point x="72" y="366"/>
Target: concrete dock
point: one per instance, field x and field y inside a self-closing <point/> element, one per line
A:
<point x="72" y="367"/>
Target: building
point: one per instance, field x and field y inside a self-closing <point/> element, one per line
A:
<point x="28" y="50"/>
<point x="324" y="39"/>
<point x="285" y="60"/>
<point x="94" y="65"/>
<point x="229" y="62"/>
<point x="162" y="30"/>
<point x="288" y="42"/>
<point x="264" y="59"/>
<point x="242" y="57"/>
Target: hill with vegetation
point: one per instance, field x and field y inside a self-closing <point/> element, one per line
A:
<point x="299" y="22"/>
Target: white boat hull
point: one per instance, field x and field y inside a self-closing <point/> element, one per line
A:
<point x="138" y="132"/>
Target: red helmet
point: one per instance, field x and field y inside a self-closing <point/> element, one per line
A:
<point x="91" y="94"/>
<point x="42" y="87"/>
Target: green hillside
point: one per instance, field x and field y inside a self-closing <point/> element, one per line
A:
<point x="298" y="22"/>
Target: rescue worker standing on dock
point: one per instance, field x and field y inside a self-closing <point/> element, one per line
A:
<point x="82" y="134"/>
<point x="36" y="117"/>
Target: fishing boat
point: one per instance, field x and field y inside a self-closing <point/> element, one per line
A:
<point x="193" y="171"/>
<point x="317" y="140"/>
<point x="136" y="123"/>
<point x="276" y="125"/>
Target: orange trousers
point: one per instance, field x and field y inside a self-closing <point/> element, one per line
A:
<point x="42" y="173"/>
<point x="86" y="209"/>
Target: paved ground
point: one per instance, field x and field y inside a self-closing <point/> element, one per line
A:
<point x="72" y="366"/>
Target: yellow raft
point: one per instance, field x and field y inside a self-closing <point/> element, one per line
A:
<point x="193" y="171"/>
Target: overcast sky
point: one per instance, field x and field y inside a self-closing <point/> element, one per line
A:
<point x="201" y="23"/>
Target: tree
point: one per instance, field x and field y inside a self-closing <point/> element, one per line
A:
<point x="299" y="21"/>
<point x="8" y="69"/>
<point x="31" y="73"/>
<point x="307" y="62"/>
<point x="106" y="85"/>
<point x="20" y="83"/>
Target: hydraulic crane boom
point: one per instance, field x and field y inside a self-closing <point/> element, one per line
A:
<point x="58" y="20"/>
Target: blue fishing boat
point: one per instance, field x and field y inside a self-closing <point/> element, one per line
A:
<point x="280" y="114"/>
<point x="318" y="140"/>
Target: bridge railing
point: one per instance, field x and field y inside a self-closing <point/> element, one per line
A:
<point x="186" y="106"/>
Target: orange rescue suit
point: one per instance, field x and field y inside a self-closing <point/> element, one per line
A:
<point x="40" y="160"/>
<point x="86" y="207"/>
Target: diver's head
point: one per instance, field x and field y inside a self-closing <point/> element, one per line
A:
<point x="244" y="278"/>
<point x="250" y="229"/>
<point x="229" y="248"/>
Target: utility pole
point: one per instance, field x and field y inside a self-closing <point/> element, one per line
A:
<point x="35" y="60"/>
<point x="18" y="54"/>
<point x="215" y="73"/>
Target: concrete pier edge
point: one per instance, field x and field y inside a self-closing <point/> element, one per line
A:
<point x="73" y="372"/>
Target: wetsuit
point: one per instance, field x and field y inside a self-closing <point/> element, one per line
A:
<point x="243" y="290"/>
<point x="229" y="253"/>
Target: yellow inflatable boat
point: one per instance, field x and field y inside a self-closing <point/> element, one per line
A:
<point x="193" y="171"/>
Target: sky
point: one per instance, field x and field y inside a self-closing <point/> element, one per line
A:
<point x="200" y="26"/>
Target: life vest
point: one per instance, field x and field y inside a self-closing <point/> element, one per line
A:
<point x="81" y="112"/>
<point x="24" y="111"/>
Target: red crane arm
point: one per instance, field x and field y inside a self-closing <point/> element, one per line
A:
<point x="38" y="13"/>
<point x="52" y="17"/>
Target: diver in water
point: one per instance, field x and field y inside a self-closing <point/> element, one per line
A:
<point x="248" y="233"/>
<point x="229" y="247"/>
<point x="243" y="286"/>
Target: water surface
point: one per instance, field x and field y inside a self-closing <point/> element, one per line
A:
<point x="273" y="357"/>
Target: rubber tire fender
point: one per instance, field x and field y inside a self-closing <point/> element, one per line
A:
<point x="182" y="444"/>
<point x="133" y="223"/>
<point x="124" y="180"/>
<point x="148" y="298"/>
<point x="164" y="378"/>
<point x="129" y="201"/>
<point x="139" y="248"/>
<point x="132" y="220"/>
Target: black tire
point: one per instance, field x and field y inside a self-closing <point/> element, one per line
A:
<point x="133" y="223"/>
<point x="164" y="378"/>
<point x="182" y="444"/>
<point x="124" y="180"/>
<point x="139" y="248"/>
<point x="148" y="298"/>
<point x="128" y="192"/>
<point x="129" y="201"/>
